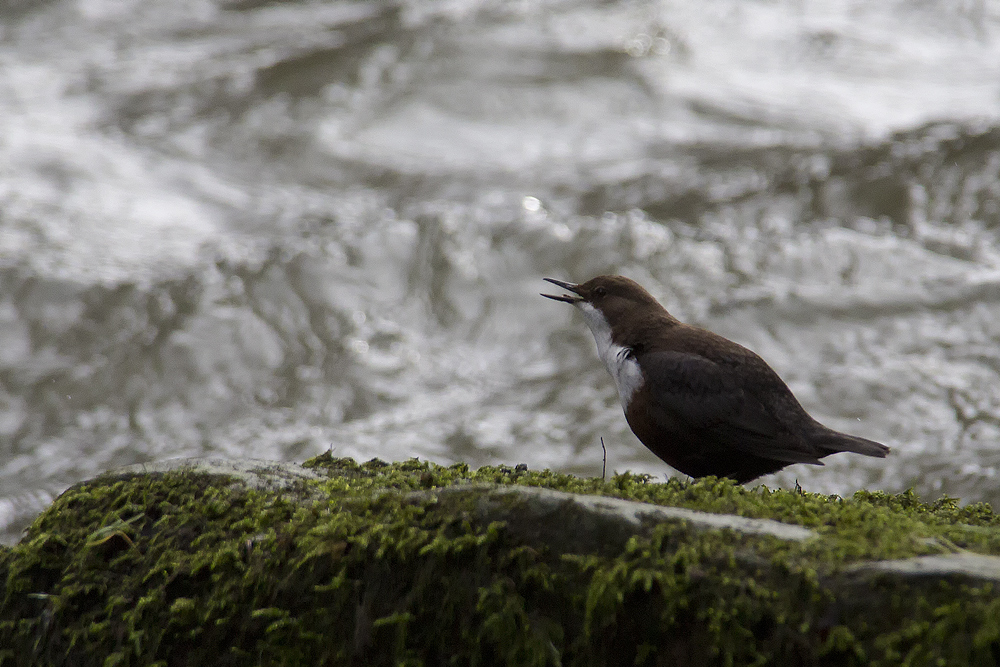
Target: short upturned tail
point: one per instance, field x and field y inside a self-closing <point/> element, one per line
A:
<point x="841" y="442"/>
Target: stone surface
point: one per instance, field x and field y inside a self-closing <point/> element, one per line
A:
<point x="196" y="562"/>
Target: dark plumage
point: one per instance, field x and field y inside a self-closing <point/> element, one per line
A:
<point x="702" y="403"/>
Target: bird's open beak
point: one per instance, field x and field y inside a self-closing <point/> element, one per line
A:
<point x="571" y="287"/>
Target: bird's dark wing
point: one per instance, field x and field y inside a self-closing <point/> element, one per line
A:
<point x="695" y="393"/>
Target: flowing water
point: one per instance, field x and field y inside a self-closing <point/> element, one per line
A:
<point x="269" y="229"/>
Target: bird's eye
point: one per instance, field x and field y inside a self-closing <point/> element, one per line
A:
<point x="600" y="291"/>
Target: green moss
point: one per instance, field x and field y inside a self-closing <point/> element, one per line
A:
<point x="184" y="569"/>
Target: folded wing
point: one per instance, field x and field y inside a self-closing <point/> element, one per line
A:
<point x="702" y="396"/>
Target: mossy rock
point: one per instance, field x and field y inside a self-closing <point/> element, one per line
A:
<point x="340" y="563"/>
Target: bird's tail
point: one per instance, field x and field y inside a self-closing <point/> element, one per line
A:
<point x="841" y="442"/>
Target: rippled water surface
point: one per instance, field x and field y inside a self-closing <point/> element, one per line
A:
<point x="257" y="229"/>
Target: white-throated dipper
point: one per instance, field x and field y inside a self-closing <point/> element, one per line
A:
<point x="702" y="403"/>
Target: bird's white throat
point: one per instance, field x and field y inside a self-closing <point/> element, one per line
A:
<point x="620" y="363"/>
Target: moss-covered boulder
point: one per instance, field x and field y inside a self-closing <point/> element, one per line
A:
<point x="339" y="563"/>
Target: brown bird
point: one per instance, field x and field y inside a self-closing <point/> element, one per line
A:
<point x="702" y="403"/>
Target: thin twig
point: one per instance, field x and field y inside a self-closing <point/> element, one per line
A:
<point x="604" y="466"/>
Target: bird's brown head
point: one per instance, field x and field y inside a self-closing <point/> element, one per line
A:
<point x="616" y="297"/>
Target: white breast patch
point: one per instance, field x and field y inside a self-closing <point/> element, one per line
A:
<point x="618" y="360"/>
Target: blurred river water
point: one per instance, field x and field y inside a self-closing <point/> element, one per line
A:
<point x="269" y="229"/>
